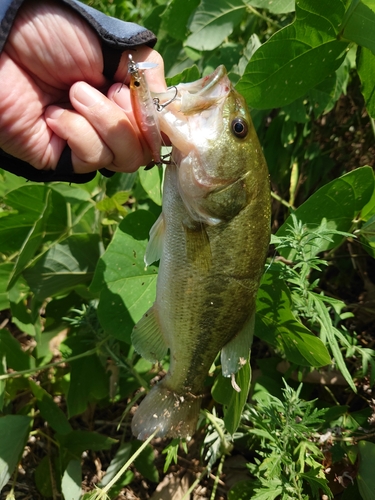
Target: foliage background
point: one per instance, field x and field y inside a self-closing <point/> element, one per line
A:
<point x="73" y="282"/>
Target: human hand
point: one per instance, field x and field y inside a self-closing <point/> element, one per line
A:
<point x="52" y="94"/>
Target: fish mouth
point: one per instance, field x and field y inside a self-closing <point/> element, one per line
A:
<point x="198" y="95"/>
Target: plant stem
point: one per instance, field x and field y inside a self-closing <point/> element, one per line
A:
<point x="217" y="477"/>
<point x="283" y="202"/>
<point x="195" y="484"/>
<point x="263" y="17"/>
<point x="103" y="492"/>
<point x="125" y="363"/>
<point x="37" y="369"/>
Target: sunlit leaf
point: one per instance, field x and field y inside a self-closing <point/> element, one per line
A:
<point x="339" y="202"/>
<point x="359" y="24"/>
<point x="297" y="57"/>
<point x="65" y="265"/>
<point x="275" y="6"/>
<point x="71" y="481"/>
<point x="213" y="21"/>
<point x="126" y="287"/>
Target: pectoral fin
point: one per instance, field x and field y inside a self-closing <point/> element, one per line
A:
<point x="237" y="351"/>
<point x="155" y="245"/>
<point x="148" y="339"/>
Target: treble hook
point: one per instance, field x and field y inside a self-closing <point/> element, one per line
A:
<point x="160" y="107"/>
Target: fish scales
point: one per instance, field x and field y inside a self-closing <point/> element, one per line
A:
<point x="212" y="236"/>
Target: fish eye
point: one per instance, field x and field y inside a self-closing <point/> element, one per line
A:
<point x="239" y="127"/>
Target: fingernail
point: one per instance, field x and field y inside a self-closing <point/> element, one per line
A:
<point x="54" y="112"/>
<point x="85" y="94"/>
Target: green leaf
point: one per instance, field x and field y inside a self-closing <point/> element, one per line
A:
<point x="14" y="431"/>
<point x="213" y="21"/>
<point x="317" y="483"/>
<point x="6" y="269"/>
<point x="276" y="324"/>
<point x="50" y="224"/>
<point x="29" y="202"/>
<point x="339" y="201"/>
<point x="127" y="289"/>
<point x="275" y="6"/>
<point x="366" y="476"/>
<point x="359" y="24"/>
<point x="71" y="481"/>
<point x="332" y="334"/>
<point x="151" y="183"/>
<point x="121" y="457"/>
<point x="16" y="358"/>
<point x="188" y="75"/>
<point x="242" y="490"/>
<point x="64" y="266"/>
<point x="366" y="72"/>
<point x="79" y="441"/>
<point x="176" y="16"/>
<point x="296" y="58"/>
<point x="145" y="462"/>
<point x="223" y="392"/>
<point x="49" y="410"/>
<point x="88" y="382"/>
<point x="44" y="476"/>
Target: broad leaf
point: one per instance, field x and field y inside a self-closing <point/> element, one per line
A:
<point x="339" y="202"/>
<point x="15" y="357"/>
<point x="234" y="402"/>
<point x="366" y="477"/>
<point x="188" y="75"/>
<point x="176" y="16"/>
<point x="213" y="21"/>
<point x="14" y="431"/>
<point x="6" y="269"/>
<point x="126" y="286"/>
<point x="64" y="266"/>
<point x="275" y="6"/>
<point x="296" y="58"/>
<point x="89" y="381"/>
<point x="366" y="71"/>
<point x="49" y="226"/>
<point x="151" y="183"/>
<point x="276" y="324"/>
<point x="79" y="441"/>
<point x="49" y="410"/>
<point x="29" y="204"/>
<point x="71" y="481"/>
<point x="359" y="24"/>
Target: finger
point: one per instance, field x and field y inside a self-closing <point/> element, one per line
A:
<point x="99" y="126"/>
<point x="89" y="153"/>
<point x="116" y="127"/>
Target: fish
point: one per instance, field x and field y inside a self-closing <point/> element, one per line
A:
<point x="212" y="239"/>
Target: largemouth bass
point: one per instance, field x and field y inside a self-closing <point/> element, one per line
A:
<point x="211" y="238"/>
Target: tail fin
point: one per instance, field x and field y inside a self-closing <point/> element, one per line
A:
<point x="173" y="414"/>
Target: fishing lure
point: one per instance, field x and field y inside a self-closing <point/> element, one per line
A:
<point x="144" y="107"/>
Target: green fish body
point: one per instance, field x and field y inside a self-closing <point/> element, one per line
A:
<point x="212" y="238"/>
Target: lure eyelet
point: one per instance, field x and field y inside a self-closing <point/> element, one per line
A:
<point x="239" y="127"/>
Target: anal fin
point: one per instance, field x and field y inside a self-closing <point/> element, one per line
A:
<point x="147" y="337"/>
<point x="237" y="351"/>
